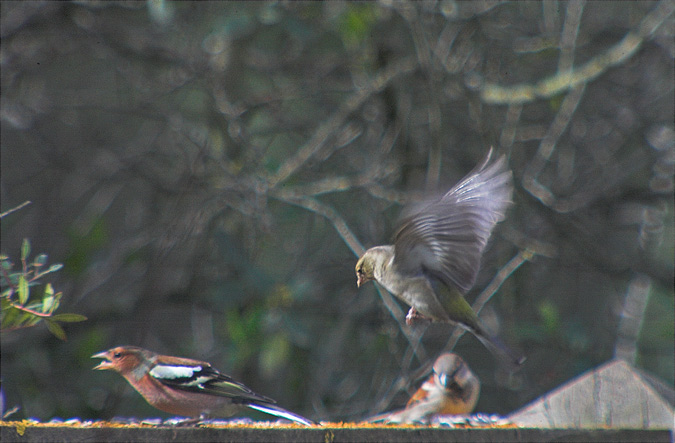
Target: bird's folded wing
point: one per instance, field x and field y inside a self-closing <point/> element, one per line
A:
<point x="201" y="377"/>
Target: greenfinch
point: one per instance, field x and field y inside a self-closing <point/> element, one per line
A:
<point x="437" y="251"/>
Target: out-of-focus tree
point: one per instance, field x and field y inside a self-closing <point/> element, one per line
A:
<point x="208" y="171"/>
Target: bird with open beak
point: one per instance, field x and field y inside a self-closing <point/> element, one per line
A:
<point x="186" y="387"/>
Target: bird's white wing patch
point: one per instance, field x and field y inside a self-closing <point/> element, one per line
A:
<point x="173" y="372"/>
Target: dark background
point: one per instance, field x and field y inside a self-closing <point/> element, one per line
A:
<point x="202" y="168"/>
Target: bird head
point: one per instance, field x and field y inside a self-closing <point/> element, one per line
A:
<point x="122" y="359"/>
<point x="374" y="259"/>
<point x="450" y="368"/>
<point x="365" y="269"/>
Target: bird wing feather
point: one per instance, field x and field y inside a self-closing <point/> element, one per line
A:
<point x="203" y="378"/>
<point x="446" y="238"/>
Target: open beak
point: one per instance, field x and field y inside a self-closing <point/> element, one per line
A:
<point x="105" y="364"/>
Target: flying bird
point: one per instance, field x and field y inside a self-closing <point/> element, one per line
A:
<point x="186" y="387"/>
<point x="437" y="251"/>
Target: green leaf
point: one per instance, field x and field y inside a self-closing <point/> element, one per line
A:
<point x="27" y="319"/>
<point x="57" y="300"/>
<point x="8" y="316"/>
<point x="40" y="260"/>
<point x="69" y="318"/>
<point x="24" y="291"/>
<point x="48" y="299"/>
<point x="47" y="304"/>
<point x="55" y="267"/>
<point x="55" y="329"/>
<point x="25" y="249"/>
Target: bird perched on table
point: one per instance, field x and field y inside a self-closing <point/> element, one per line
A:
<point x="186" y="387"/>
<point x="437" y="250"/>
<point x="452" y="389"/>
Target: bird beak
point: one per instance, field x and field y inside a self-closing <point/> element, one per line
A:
<point x="359" y="281"/>
<point x="106" y="364"/>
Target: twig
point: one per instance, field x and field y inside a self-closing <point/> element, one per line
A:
<point x="335" y="184"/>
<point x="326" y="211"/>
<point x="569" y="35"/>
<point x="547" y="146"/>
<point x="504" y="273"/>
<point x="509" y="129"/>
<point x="398" y="314"/>
<point x="572" y="78"/>
<point x="26" y="203"/>
<point x="632" y="318"/>
<point x="336" y="120"/>
<point x="30" y="311"/>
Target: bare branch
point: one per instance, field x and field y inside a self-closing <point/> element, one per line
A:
<point x="337" y="119"/>
<point x="326" y="211"/>
<point x="564" y="80"/>
<point x="632" y="318"/>
<point x="521" y="257"/>
<point x="9" y="211"/>
<point x="569" y="35"/>
<point x="336" y="184"/>
<point x="547" y="146"/>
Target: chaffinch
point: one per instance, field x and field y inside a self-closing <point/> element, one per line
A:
<point x="186" y="387"/>
<point x="437" y="251"/>
<point x="452" y="389"/>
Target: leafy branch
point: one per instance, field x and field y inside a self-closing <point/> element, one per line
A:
<point x="21" y="309"/>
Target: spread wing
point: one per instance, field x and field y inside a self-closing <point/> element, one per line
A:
<point x="446" y="238"/>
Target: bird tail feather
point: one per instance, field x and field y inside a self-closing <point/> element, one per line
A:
<point x="281" y="412"/>
<point x="497" y="347"/>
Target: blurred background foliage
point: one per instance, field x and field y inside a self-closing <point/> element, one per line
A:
<point x="206" y="171"/>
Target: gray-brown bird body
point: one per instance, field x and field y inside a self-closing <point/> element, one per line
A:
<point x="416" y="291"/>
<point x="437" y="250"/>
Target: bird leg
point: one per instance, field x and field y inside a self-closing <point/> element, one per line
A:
<point x="415" y="317"/>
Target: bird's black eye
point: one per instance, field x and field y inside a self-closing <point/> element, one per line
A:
<point x="117" y="354"/>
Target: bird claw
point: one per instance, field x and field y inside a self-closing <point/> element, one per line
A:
<point x="413" y="318"/>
